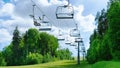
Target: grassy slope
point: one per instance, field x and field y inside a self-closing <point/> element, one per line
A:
<point x="71" y="64"/>
<point x="57" y="64"/>
<point x="106" y="64"/>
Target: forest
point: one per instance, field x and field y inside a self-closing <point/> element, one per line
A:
<point x="105" y="41"/>
<point x="32" y="47"/>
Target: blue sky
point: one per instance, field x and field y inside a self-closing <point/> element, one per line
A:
<point x="16" y="13"/>
<point x="6" y="1"/>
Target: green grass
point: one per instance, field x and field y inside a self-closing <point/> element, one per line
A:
<point x="71" y="64"/>
<point x="56" y="64"/>
<point x="106" y="64"/>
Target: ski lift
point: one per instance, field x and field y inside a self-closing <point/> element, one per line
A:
<point x="45" y="27"/>
<point x="75" y="33"/>
<point x="34" y="19"/>
<point x="76" y="47"/>
<point x="78" y="40"/>
<point x="65" y="12"/>
<point x="60" y="36"/>
<point x="83" y="48"/>
<point x="73" y="44"/>
<point x="67" y="41"/>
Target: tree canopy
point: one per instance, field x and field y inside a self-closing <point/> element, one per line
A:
<point x="105" y="41"/>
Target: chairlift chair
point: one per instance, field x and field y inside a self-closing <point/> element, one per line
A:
<point x="36" y="23"/>
<point x="45" y="27"/>
<point x="35" y="20"/>
<point x="61" y="38"/>
<point x="64" y="12"/>
<point x="73" y="44"/>
<point x="75" y="33"/>
<point x="68" y="42"/>
<point x="78" y="40"/>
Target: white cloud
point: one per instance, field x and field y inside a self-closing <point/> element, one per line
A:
<point x="7" y="9"/>
<point x="4" y="36"/>
<point x="20" y="12"/>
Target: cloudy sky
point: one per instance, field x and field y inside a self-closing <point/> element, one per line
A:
<point x="16" y="13"/>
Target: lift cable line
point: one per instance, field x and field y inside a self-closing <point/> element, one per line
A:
<point x="63" y="12"/>
<point x="41" y="11"/>
<point x="67" y="13"/>
<point x="60" y="37"/>
<point x="33" y="16"/>
<point x="44" y="25"/>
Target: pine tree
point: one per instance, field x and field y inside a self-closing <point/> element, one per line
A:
<point x="16" y="46"/>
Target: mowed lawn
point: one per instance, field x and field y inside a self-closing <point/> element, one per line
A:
<point x="107" y="64"/>
<point x="71" y="64"/>
<point x="56" y="64"/>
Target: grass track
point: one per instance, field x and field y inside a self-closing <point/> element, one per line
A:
<point x="71" y="64"/>
<point x="57" y="64"/>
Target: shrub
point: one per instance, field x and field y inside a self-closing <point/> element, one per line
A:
<point x="34" y="58"/>
<point x="47" y="58"/>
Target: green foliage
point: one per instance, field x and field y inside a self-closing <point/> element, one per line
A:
<point x="114" y="26"/>
<point x="8" y="54"/>
<point x="48" y="44"/>
<point x="93" y="52"/>
<point x="16" y="47"/>
<point x="33" y="47"/>
<point x="105" y="53"/>
<point x="34" y="58"/>
<point x="105" y="41"/>
<point x="64" y="54"/>
<point x="32" y="40"/>
<point x="47" y="58"/>
<point x="2" y="60"/>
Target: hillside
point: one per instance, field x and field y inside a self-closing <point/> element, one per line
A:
<point x="106" y="64"/>
<point x="57" y="64"/>
<point x="71" y="64"/>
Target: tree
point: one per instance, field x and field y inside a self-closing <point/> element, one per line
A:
<point x="8" y="55"/>
<point x="16" y="43"/>
<point x="31" y="40"/>
<point x="107" y="33"/>
<point x="97" y="40"/>
<point x="64" y="54"/>
<point x="48" y="44"/>
<point x="114" y="26"/>
<point x="2" y="60"/>
<point x="105" y="53"/>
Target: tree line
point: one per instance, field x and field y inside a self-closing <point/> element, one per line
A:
<point x="32" y="47"/>
<point x="105" y="40"/>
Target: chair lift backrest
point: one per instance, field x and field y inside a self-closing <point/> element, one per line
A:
<point x="65" y="12"/>
<point x="75" y="33"/>
<point x="45" y="27"/>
